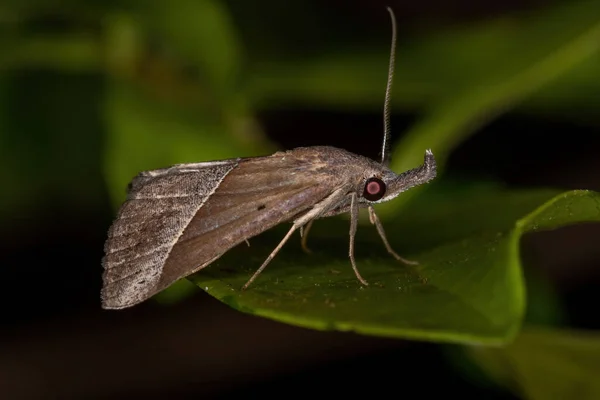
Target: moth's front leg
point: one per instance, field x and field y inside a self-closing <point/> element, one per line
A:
<point x="353" y="227"/>
<point x="375" y="221"/>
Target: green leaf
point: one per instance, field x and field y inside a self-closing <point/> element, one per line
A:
<point x="199" y="32"/>
<point x="468" y="290"/>
<point x="546" y="364"/>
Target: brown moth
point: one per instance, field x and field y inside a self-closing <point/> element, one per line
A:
<point x="180" y="219"/>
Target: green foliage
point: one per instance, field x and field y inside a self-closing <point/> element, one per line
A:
<point x="546" y="364"/>
<point x="467" y="290"/>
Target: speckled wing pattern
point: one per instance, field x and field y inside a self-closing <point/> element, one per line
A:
<point x="159" y="206"/>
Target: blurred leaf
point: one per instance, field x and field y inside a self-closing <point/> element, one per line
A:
<point x="457" y="116"/>
<point x="199" y="32"/>
<point x="543" y="308"/>
<point x="432" y="70"/>
<point x="473" y="291"/>
<point x="528" y="49"/>
<point x="546" y="364"/>
<point x="65" y="53"/>
<point x="46" y="152"/>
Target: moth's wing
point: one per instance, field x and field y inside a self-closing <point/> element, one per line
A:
<point x="172" y="237"/>
<point x="159" y="205"/>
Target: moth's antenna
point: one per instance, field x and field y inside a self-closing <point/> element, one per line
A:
<point x="385" y="151"/>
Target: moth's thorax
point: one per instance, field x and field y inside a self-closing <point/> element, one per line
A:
<point x="347" y="166"/>
<point x="348" y="169"/>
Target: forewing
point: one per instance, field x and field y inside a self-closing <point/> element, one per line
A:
<point x="179" y="222"/>
<point x="159" y="205"/>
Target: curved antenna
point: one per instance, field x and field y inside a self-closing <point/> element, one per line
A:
<point x="385" y="150"/>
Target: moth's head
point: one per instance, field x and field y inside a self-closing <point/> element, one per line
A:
<point x="384" y="184"/>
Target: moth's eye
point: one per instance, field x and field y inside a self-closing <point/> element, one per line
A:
<point x="374" y="189"/>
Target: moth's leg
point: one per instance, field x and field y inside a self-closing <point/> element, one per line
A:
<point x="271" y="256"/>
<point x="330" y="201"/>
<point x="375" y="221"/>
<point x="304" y="234"/>
<point x="353" y="226"/>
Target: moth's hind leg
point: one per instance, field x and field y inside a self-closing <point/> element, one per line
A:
<point x="304" y="236"/>
<point x="318" y="209"/>
<point x="375" y="221"/>
<point x="271" y="256"/>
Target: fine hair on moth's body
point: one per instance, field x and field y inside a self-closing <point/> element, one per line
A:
<point x="180" y="219"/>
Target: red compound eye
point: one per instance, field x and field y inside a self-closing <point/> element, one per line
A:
<point x="374" y="189"/>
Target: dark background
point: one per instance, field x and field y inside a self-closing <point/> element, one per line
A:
<point x="56" y="342"/>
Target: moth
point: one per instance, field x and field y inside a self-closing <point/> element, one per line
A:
<point x="178" y="220"/>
